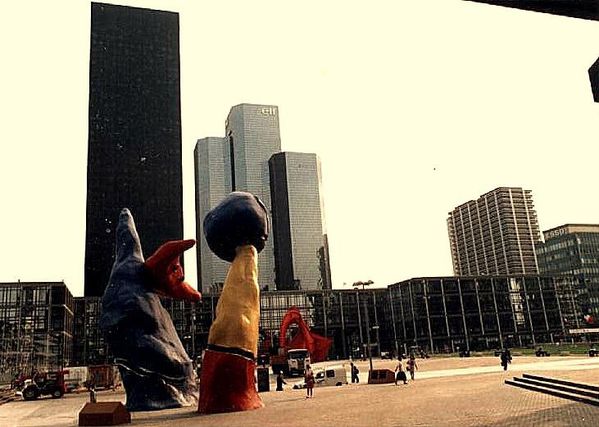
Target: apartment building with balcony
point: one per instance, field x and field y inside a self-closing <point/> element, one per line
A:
<point x="495" y="234"/>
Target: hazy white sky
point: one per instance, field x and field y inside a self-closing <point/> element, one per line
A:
<point x="414" y="107"/>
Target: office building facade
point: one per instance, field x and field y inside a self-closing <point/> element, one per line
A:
<point x="300" y="245"/>
<point x="253" y="133"/>
<point x="36" y="327"/>
<point x="43" y="327"/>
<point x="134" y="144"/>
<point x="573" y="249"/>
<point x="495" y="234"/>
<point x="439" y="314"/>
<point x="212" y="162"/>
<point x="89" y="345"/>
<point x="450" y="314"/>
<point x="350" y="318"/>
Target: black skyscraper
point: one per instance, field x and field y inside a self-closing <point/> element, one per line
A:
<point x="134" y="157"/>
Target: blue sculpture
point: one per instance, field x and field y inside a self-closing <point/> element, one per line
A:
<point x="156" y="371"/>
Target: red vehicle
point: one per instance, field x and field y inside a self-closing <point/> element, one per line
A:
<point x="45" y="384"/>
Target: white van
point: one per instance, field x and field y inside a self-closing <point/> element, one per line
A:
<point x="328" y="376"/>
<point x="332" y="375"/>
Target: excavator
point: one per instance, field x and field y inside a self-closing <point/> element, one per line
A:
<point x="303" y="348"/>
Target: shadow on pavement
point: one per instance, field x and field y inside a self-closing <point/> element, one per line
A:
<point x="292" y="399"/>
<point x="575" y="414"/>
<point x="168" y="416"/>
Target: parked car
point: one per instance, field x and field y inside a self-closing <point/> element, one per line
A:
<point x="330" y="376"/>
<point x="593" y="352"/>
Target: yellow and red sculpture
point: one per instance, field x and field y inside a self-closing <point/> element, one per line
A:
<point x="236" y="230"/>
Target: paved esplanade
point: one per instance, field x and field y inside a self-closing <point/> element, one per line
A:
<point x="446" y="392"/>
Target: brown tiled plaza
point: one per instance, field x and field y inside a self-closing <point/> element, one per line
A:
<point x="446" y="392"/>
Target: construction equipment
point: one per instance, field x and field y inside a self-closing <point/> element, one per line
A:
<point x="44" y="384"/>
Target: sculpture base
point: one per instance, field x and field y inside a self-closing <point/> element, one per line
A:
<point x="381" y="376"/>
<point x="227" y="384"/>
<point x="104" y="414"/>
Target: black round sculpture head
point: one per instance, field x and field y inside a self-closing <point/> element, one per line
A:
<point x="240" y="219"/>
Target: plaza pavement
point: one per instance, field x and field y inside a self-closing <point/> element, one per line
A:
<point x="446" y="392"/>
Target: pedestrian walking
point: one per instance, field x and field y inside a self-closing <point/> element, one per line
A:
<point x="400" y="374"/>
<point x="92" y="392"/>
<point x="309" y="380"/>
<point x="506" y="357"/>
<point x="280" y="382"/>
<point x="412" y="366"/>
<point x="354" y="373"/>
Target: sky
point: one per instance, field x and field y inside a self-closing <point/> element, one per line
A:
<point x="414" y="107"/>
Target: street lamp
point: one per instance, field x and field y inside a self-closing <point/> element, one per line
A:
<point x="364" y="284"/>
<point x="57" y="338"/>
<point x="378" y="338"/>
<point x="193" y="330"/>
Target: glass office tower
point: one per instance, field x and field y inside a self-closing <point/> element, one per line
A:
<point x="253" y="133"/>
<point x="212" y="162"/>
<point x="134" y="150"/>
<point x="573" y="249"/>
<point x="301" y="252"/>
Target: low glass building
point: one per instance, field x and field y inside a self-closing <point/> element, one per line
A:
<point x="36" y="327"/>
<point x="439" y="314"/>
<point x="43" y="327"/>
<point x="351" y="318"/>
<point x="448" y="314"/>
<point x="573" y="250"/>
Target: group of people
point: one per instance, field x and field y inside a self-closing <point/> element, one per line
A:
<point x="400" y="375"/>
<point x="411" y="367"/>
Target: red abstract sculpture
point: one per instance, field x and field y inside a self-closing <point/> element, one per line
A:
<point x="317" y="345"/>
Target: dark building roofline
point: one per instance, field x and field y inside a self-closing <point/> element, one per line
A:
<point x="20" y="282"/>
<point x="581" y="9"/>
<point x="97" y="4"/>
<point x="485" y="276"/>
